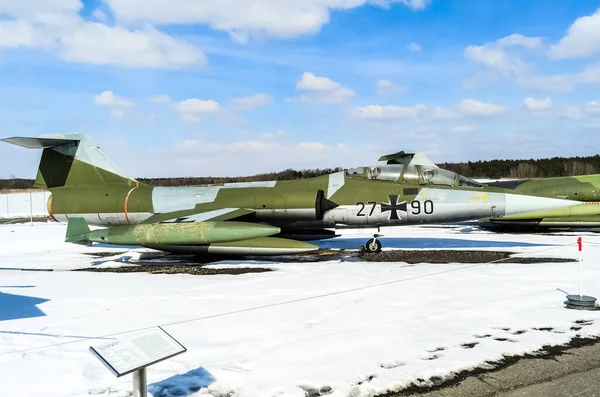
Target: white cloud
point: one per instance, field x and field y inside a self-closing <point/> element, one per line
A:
<point x="31" y="8"/>
<point x="471" y="107"/>
<point x="312" y="146"/>
<point x="57" y="28"/>
<point x="391" y="112"/>
<point x="464" y="129"/>
<point x="495" y="57"/>
<point x="309" y="81"/>
<point x="415" y="4"/>
<point x="378" y="112"/>
<point x="245" y="19"/>
<point x="547" y="83"/>
<point x="538" y="104"/>
<point x="574" y="112"/>
<point x="251" y="102"/>
<point x="414" y="47"/>
<point x="117" y="113"/>
<point x="191" y="110"/>
<point x="593" y="107"/>
<point x="99" y="44"/>
<point x="118" y="106"/>
<point x="582" y="39"/>
<point x="251" y="146"/>
<point x="443" y="113"/>
<point x="590" y="75"/>
<point x="19" y="33"/>
<point x="387" y="87"/>
<point x="520" y="40"/>
<point x="160" y="99"/>
<point x="108" y="98"/>
<point x="100" y="15"/>
<point x="322" y="90"/>
<point x="590" y="109"/>
<point x="273" y="135"/>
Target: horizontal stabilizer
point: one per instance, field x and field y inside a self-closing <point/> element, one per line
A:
<point x="38" y="143"/>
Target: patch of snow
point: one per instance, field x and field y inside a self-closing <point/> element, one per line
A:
<point x="432" y="322"/>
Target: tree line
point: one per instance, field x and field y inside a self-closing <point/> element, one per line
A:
<point x="540" y="168"/>
<point x="286" y="175"/>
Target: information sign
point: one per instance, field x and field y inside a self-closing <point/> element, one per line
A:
<point x="137" y="351"/>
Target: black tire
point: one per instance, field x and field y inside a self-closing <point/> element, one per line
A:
<point x="373" y="246"/>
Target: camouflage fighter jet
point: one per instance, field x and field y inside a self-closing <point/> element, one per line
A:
<point x="261" y="218"/>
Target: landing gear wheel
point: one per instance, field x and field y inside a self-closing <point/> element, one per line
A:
<point x="373" y="246"/>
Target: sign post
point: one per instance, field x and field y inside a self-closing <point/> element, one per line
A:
<point x="135" y="353"/>
<point x="30" y="209"/>
<point x="580" y="245"/>
<point x="581" y="302"/>
<point x="140" y="383"/>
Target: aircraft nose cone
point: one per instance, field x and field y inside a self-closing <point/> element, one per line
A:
<point x="518" y="204"/>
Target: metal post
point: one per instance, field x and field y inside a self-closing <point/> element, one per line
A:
<point x="30" y="209"/>
<point x="580" y="243"/>
<point x="140" y="383"/>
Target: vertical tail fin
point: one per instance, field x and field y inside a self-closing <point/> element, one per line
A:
<point x="72" y="160"/>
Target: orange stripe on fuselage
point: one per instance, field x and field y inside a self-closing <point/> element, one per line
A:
<point x="126" y="202"/>
<point x="49" y="208"/>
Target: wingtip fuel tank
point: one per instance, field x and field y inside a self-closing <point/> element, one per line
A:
<point x="182" y="233"/>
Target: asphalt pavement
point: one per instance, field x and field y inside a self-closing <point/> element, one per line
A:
<point x="573" y="372"/>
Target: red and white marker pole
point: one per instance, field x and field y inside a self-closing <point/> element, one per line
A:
<point x="580" y="244"/>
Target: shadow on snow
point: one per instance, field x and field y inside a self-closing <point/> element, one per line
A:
<point x="182" y="385"/>
<point x="420" y="242"/>
<point x="121" y="259"/>
<point x="13" y="307"/>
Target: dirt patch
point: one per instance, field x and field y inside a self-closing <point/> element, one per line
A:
<point x="453" y="256"/>
<point x="169" y="269"/>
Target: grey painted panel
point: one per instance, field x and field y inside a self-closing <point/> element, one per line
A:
<point x="168" y="199"/>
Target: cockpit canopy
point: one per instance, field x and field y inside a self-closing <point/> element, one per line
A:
<point x="413" y="174"/>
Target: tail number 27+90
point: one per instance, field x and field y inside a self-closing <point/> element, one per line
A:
<point x="417" y="207"/>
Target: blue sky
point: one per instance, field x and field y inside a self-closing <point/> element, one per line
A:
<point x="230" y="88"/>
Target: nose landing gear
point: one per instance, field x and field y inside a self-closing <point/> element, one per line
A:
<point x="373" y="245"/>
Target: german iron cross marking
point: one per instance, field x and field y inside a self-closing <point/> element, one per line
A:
<point x="394" y="207"/>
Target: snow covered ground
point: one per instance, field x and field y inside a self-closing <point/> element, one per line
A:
<point x="348" y="328"/>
